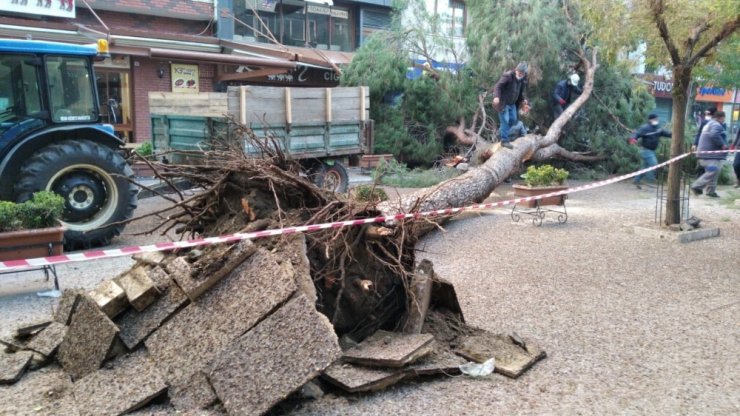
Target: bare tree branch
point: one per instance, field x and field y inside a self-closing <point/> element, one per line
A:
<point x="556" y="150"/>
<point x="657" y="8"/>
<point x="728" y="29"/>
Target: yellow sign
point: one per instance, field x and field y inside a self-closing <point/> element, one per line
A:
<point x="185" y="78"/>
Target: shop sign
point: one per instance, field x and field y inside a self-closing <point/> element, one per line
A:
<point x="714" y="94"/>
<point x="659" y="87"/>
<point x="302" y="76"/>
<point x="330" y="11"/>
<point x="261" y="5"/>
<point x="185" y="78"/>
<point x="58" y="8"/>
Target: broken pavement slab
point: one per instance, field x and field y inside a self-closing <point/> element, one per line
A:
<point x="13" y="365"/>
<point x="88" y="339"/>
<point x="26" y="330"/>
<point x="390" y="349"/>
<point x="511" y="360"/>
<point x="110" y="298"/>
<point x="440" y="361"/>
<point x="48" y="340"/>
<point x="136" y="326"/>
<point x="196" y="393"/>
<point x="354" y="378"/>
<point x="132" y="382"/>
<point x="212" y="266"/>
<point x="278" y="356"/>
<point x="199" y="332"/>
<point x="140" y="289"/>
<point x="43" y="392"/>
<point x="67" y="302"/>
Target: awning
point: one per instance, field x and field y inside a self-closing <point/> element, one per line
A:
<point x="318" y="57"/>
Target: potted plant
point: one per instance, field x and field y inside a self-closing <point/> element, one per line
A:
<point x="540" y="180"/>
<point x="144" y="153"/>
<point x="32" y="228"/>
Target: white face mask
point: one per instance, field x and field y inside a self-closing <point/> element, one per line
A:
<point x="654" y="122"/>
<point x="707" y="117"/>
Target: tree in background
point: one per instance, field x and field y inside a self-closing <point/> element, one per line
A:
<point x="681" y="35"/>
<point x="411" y="114"/>
<point x="547" y="36"/>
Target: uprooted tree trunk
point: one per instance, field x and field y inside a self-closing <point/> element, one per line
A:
<point x="362" y="274"/>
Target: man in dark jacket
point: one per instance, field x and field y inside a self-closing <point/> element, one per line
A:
<point x="649" y="138"/>
<point x="564" y="93"/>
<point x="707" y="117"/>
<point x="508" y="95"/>
<point x="736" y="162"/>
<point x="712" y="139"/>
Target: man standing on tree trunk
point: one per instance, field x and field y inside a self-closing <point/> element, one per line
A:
<point x="712" y="139"/>
<point x="508" y="95"/>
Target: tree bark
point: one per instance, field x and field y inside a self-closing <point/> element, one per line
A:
<point x="681" y="83"/>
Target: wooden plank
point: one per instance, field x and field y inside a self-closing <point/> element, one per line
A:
<point x="421" y="294"/>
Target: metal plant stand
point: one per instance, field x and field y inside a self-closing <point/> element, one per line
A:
<point x="661" y="198"/>
<point x="538" y="212"/>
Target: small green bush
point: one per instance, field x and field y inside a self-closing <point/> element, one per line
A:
<point x="369" y="193"/>
<point x="44" y="210"/>
<point x="145" y="150"/>
<point x="545" y="175"/>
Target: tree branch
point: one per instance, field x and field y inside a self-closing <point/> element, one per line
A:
<point x="727" y="29"/>
<point x="555" y="150"/>
<point x="694" y="38"/>
<point x="657" y="8"/>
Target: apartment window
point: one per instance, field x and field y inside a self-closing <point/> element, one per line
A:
<point x="452" y="13"/>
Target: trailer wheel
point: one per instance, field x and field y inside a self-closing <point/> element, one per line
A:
<point x="92" y="180"/>
<point x="332" y="177"/>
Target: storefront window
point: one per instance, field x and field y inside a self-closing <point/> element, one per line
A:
<point x="294" y="23"/>
<point x="115" y="104"/>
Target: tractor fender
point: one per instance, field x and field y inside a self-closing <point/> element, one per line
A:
<point x="12" y="160"/>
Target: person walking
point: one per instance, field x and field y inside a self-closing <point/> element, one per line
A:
<point x="707" y="117"/>
<point x="712" y="139"/>
<point x="564" y="93"/>
<point x="648" y="137"/>
<point x="509" y="94"/>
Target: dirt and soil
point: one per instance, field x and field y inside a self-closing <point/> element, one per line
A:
<point x="631" y="323"/>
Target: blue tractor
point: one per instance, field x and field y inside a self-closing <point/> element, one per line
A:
<point x="51" y="138"/>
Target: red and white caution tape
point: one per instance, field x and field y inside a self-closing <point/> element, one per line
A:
<point x="11" y="265"/>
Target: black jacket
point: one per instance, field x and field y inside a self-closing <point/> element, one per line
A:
<point x="564" y="90"/>
<point x="510" y="90"/>
<point x="650" y="135"/>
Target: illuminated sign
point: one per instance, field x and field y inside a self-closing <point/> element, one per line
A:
<point x="58" y="8"/>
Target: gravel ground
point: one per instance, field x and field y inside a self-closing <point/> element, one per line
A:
<point x="632" y="324"/>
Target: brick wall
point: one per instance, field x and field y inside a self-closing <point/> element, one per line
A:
<point x="122" y="22"/>
<point x="145" y="79"/>
<point x="187" y="9"/>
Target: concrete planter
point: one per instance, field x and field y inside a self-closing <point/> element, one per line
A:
<point x="523" y="191"/>
<point x="26" y="244"/>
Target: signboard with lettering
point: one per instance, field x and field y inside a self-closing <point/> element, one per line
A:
<point x="658" y="86"/>
<point x="58" y="8"/>
<point x="714" y="94"/>
<point x="185" y="78"/>
<point x="302" y="76"/>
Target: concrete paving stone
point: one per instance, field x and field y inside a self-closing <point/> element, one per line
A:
<point x="66" y="305"/>
<point x="152" y="258"/>
<point x="161" y="278"/>
<point x="196" y="393"/>
<point x="26" y="330"/>
<point x="110" y="298"/>
<point x="275" y="358"/>
<point x="140" y="290"/>
<point x="39" y="360"/>
<point x="216" y="263"/>
<point x="132" y="382"/>
<point x="11" y="344"/>
<point x="191" y="338"/>
<point x="88" y="340"/>
<point x="293" y="247"/>
<point x="13" y="365"/>
<point x="135" y="326"/>
<point x="440" y="361"/>
<point x="511" y="360"/>
<point x="48" y="340"/>
<point x="354" y="378"/>
<point x="43" y="392"/>
<point x="390" y="349"/>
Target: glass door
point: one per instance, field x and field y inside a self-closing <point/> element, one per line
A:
<point x="115" y="101"/>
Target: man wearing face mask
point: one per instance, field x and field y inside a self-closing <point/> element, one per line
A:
<point x="509" y="95"/>
<point x="564" y="91"/>
<point x="648" y="135"/>
<point x="713" y="138"/>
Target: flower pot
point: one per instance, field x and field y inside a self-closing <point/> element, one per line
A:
<point x="524" y="190"/>
<point x="27" y="244"/>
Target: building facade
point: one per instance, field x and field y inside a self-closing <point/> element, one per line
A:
<point x="189" y="46"/>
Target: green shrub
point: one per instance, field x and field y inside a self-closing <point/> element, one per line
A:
<point x="369" y="193"/>
<point x="145" y="150"/>
<point x="43" y="210"/>
<point x="545" y="175"/>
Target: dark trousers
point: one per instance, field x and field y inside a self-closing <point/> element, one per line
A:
<point x="736" y="167"/>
